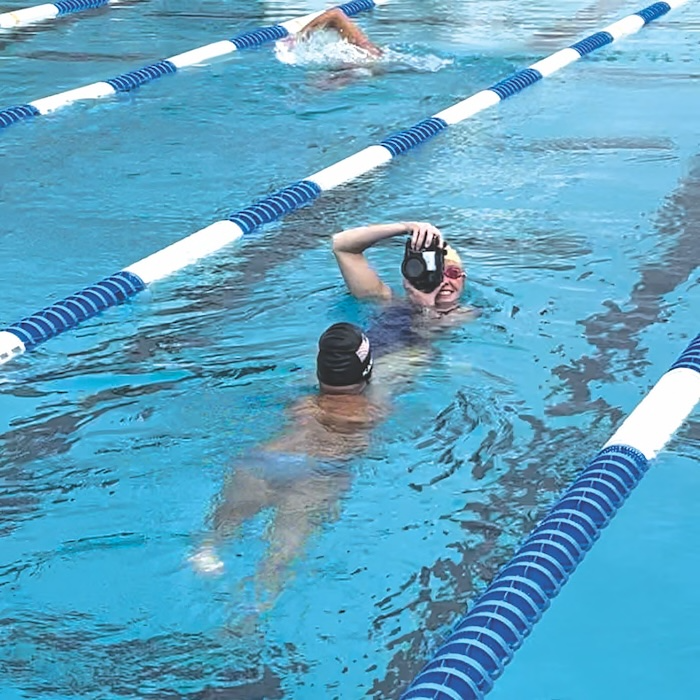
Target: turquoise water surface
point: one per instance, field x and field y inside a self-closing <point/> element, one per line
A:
<point x="575" y="206"/>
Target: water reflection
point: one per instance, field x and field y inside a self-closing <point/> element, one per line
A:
<point x="40" y="650"/>
<point x="543" y="467"/>
<point x="616" y="332"/>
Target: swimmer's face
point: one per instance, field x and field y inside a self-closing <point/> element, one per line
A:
<point x="447" y="294"/>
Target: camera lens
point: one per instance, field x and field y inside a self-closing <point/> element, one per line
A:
<point x="414" y="268"/>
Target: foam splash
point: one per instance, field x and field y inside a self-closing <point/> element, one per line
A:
<point x="321" y="49"/>
<point x="326" y="50"/>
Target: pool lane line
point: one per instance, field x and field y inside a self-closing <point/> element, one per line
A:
<point x="486" y="638"/>
<point x="39" y="13"/>
<point x="33" y="330"/>
<point x="134" y="79"/>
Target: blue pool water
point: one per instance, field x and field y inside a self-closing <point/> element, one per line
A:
<point x="575" y="207"/>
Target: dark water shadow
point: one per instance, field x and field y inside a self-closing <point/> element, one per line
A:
<point x="540" y="470"/>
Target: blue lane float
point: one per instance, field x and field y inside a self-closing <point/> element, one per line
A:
<point x="39" y="13"/>
<point x="486" y="638"/>
<point x="221" y="233"/>
<point x="135" y="79"/>
<point x="86" y="303"/>
<point x="275" y="206"/>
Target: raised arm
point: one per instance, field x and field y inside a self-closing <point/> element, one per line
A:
<point x="349" y="247"/>
<point x="337" y="20"/>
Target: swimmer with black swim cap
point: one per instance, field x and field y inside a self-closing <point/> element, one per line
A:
<point x="300" y="474"/>
<point x="344" y="360"/>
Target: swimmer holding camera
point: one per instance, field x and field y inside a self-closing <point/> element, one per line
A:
<point x="432" y="271"/>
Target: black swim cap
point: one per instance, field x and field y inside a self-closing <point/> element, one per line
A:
<point x="344" y="356"/>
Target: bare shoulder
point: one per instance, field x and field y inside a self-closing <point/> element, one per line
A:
<point x="337" y="409"/>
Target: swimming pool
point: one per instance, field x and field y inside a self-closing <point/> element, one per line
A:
<point x="575" y="206"/>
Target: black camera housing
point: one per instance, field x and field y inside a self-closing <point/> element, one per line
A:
<point x="424" y="268"/>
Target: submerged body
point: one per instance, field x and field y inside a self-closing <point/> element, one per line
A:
<point x="302" y="473"/>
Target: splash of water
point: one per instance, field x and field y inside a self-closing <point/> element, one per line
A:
<point x="324" y="49"/>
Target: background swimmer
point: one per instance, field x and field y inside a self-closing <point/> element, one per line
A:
<point x="338" y="21"/>
<point x="334" y="42"/>
<point x="331" y="40"/>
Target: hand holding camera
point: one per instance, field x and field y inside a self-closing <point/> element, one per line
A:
<point x="424" y="235"/>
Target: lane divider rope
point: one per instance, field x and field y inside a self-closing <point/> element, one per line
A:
<point x="39" y="13"/>
<point x="486" y="638"/>
<point x="30" y="332"/>
<point x="136" y="78"/>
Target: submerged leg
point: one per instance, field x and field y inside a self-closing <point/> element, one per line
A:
<point x="244" y="496"/>
<point x="301" y="509"/>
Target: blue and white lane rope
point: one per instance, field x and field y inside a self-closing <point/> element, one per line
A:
<point x="134" y="79"/>
<point x="39" y="13"/>
<point x="53" y="320"/>
<point x="485" y="639"/>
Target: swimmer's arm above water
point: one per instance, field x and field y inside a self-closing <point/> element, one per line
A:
<point x="349" y="246"/>
<point x="337" y="20"/>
